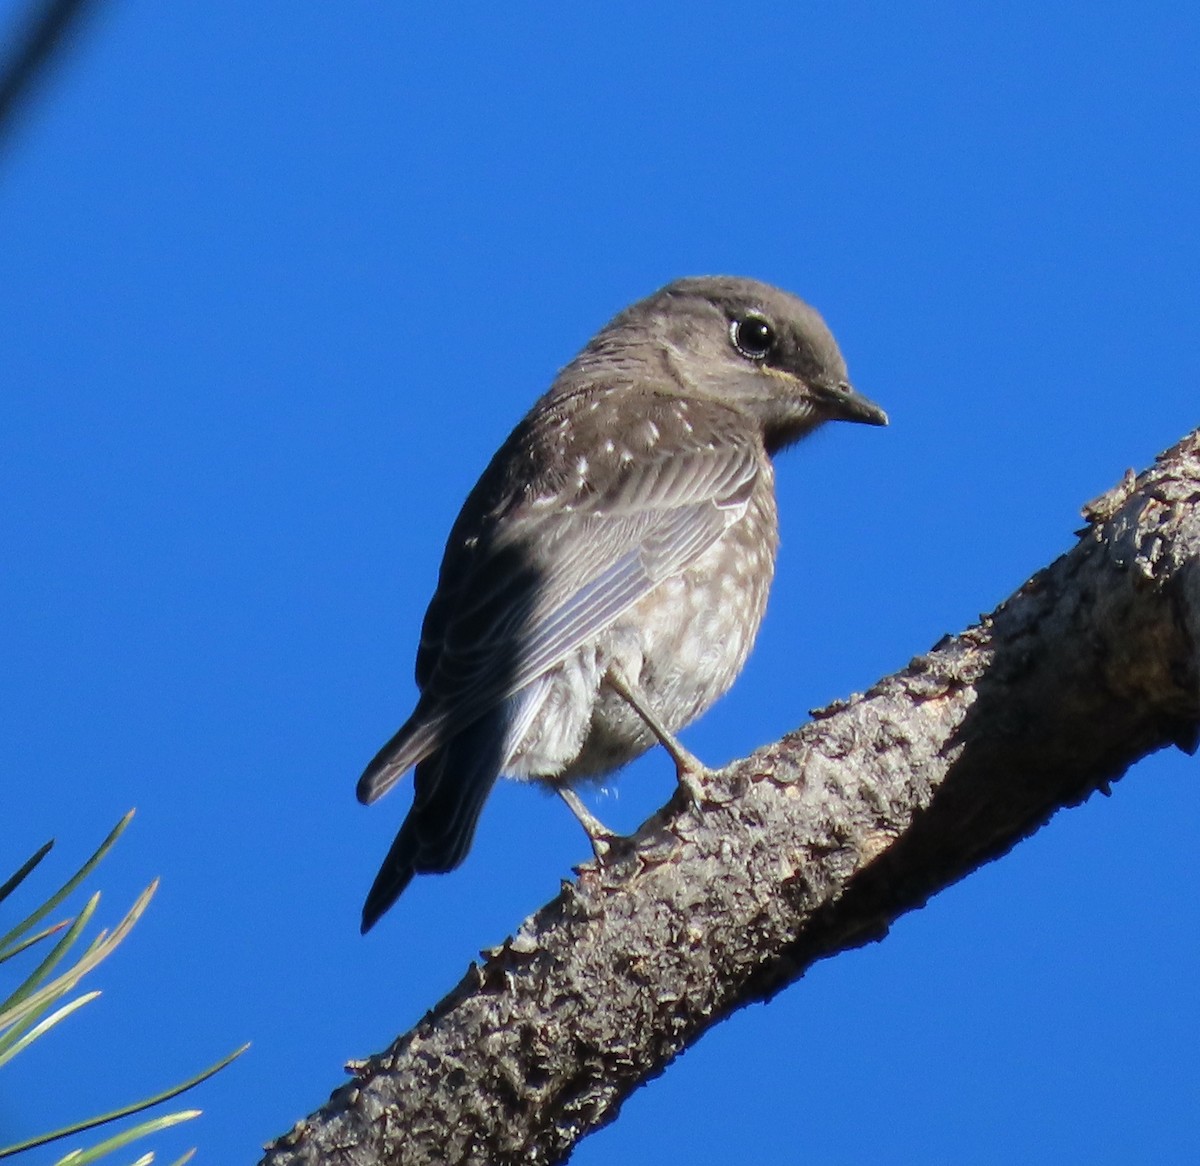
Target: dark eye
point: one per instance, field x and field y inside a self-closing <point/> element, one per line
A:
<point x="752" y="336"/>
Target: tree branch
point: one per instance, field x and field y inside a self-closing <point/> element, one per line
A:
<point x="814" y="845"/>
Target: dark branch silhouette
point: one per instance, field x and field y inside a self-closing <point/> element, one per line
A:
<point x="42" y="35"/>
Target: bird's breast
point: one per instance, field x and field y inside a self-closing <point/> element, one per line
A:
<point x="686" y="641"/>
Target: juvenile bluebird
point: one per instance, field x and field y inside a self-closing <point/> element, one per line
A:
<point x="606" y="577"/>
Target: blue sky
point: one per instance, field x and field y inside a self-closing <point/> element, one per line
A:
<point x="275" y="280"/>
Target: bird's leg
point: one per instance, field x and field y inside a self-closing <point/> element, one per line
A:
<point x="602" y="838"/>
<point x="689" y="769"/>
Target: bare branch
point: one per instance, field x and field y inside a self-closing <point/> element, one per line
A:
<point x="815" y="845"/>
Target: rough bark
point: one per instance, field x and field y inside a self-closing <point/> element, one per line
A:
<point x="808" y="847"/>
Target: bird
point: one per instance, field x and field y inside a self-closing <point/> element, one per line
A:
<point x="606" y="577"/>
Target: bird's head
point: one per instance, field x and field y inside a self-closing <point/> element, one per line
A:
<point x="750" y="345"/>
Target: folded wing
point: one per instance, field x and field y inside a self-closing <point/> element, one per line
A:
<point x="534" y="580"/>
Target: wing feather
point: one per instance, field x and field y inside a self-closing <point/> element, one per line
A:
<point x="528" y="583"/>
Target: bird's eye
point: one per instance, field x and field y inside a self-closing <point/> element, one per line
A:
<point x="752" y="336"/>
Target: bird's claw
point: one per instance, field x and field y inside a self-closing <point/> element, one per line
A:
<point x="693" y="781"/>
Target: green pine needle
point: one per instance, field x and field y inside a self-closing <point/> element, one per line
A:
<point x="27" y="1013"/>
<point x="54" y="900"/>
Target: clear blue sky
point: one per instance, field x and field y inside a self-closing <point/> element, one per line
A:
<point x="276" y="279"/>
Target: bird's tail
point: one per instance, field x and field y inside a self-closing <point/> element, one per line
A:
<point x="451" y="787"/>
<point x="416" y="739"/>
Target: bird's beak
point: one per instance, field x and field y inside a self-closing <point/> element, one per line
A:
<point x="845" y="403"/>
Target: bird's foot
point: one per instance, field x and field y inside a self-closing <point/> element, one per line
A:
<point x="691" y="773"/>
<point x="604" y="841"/>
<point x="693" y="777"/>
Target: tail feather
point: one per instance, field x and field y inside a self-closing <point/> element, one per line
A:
<point x="451" y="787"/>
<point x="416" y="739"/>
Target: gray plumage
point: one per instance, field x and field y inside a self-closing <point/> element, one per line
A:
<point x="626" y="530"/>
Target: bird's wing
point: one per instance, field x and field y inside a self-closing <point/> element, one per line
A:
<point x="552" y="574"/>
<point x="563" y="579"/>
